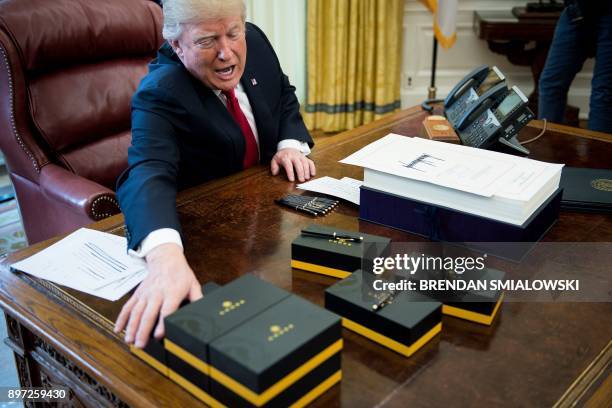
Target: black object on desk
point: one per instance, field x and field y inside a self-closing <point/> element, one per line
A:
<point x="249" y="343"/>
<point x="335" y="252"/>
<point x="308" y="204"/>
<point x="406" y="322"/>
<point x="586" y="190"/>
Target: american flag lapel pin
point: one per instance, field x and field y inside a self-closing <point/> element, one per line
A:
<point x="253" y="81"/>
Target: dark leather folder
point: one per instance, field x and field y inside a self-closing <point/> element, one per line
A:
<point x="588" y="190"/>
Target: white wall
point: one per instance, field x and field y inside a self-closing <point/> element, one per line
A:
<point x="284" y="22"/>
<point x="467" y="53"/>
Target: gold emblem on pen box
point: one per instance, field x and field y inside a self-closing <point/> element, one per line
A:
<point x="602" y="184"/>
<point x="228" y="306"/>
<point x="277" y="331"/>
<point x="340" y="241"/>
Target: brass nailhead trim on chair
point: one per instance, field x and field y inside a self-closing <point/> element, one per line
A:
<point x="12" y="109"/>
<point x="99" y="216"/>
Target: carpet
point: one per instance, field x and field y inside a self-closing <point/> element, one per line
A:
<point x="12" y="236"/>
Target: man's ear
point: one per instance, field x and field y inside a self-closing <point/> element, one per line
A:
<point x="176" y="47"/>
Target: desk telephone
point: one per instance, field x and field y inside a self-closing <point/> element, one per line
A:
<point x="469" y="90"/>
<point x="486" y="114"/>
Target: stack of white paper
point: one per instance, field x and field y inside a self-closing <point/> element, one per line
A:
<point x="90" y="261"/>
<point x="346" y="188"/>
<point x="490" y="184"/>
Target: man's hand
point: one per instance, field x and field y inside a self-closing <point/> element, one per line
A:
<point x="295" y="163"/>
<point x="170" y="280"/>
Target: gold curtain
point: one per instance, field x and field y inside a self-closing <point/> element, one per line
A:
<point x="354" y="61"/>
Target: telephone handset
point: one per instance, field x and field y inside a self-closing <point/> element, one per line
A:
<point x="468" y="91"/>
<point x="484" y="102"/>
<point x="495" y="122"/>
<point x="471" y="80"/>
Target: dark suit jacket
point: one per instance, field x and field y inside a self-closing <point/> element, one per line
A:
<point x="183" y="135"/>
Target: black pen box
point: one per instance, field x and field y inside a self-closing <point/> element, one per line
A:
<point x="335" y="257"/>
<point x="479" y="302"/>
<point x="480" y="306"/>
<point x="190" y="330"/>
<point x="288" y="354"/>
<point x="404" y="325"/>
<point x="154" y="352"/>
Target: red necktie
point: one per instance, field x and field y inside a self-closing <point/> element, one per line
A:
<point x="251" y="153"/>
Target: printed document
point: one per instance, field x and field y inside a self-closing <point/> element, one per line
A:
<point x="458" y="167"/>
<point x="90" y="261"/>
<point x="346" y="188"/>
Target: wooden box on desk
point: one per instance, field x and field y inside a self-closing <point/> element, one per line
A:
<point x="335" y="257"/>
<point x="405" y="325"/>
<point x="438" y="128"/>
<point x="250" y="343"/>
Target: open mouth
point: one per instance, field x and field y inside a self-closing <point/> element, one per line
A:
<point x="226" y="72"/>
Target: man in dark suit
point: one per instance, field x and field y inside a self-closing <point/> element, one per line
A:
<point x="204" y="111"/>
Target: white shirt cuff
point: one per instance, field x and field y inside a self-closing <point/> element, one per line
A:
<point x="157" y="238"/>
<point x="294" y="144"/>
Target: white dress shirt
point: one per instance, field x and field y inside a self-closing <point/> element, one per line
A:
<point x="169" y="235"/>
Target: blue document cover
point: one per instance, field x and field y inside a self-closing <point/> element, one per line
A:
<point x="445" y="224"/>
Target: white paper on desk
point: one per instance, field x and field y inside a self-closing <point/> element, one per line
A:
<point x="90" y="261"/>
<point x="347" y="188"/>
<point x="463" y="168"/>
<point x="521" y="179"/>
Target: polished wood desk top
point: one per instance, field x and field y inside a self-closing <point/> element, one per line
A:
<point x="529" y="357"/>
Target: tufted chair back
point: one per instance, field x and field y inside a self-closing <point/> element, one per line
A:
<point x="68" y="70"/>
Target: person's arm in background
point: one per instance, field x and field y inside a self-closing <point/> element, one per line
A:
<point x="147" y="195"/>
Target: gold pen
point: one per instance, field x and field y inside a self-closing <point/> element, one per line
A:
<point x="333" y="235"/>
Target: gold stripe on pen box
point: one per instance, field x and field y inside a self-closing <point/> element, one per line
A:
<point x="473" y="316"/>
<point x="318" y="390"/>
<point x="246" y="393"/>
<point x="186" y="356"/>
<point x="194" y="389"/>
<point x="323" y="270"/>
<point x="302" y="402"/>
<point x="281" y="385"/>
<point x="389" y="342"/>
<point x="162" y="368"/>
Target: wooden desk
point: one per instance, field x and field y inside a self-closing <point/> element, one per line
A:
<point x="524" y="42"/>
<point x="530" y="356"/>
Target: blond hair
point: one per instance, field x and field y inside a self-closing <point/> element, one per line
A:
<point x="178" y="12"/>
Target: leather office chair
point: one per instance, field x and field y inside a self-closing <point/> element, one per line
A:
<point x="68" y="70"/>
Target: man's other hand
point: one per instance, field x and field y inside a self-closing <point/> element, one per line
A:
<point x="170" y="280"/>
<point x="295" y="164"/>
